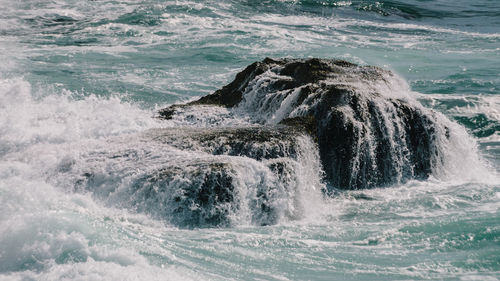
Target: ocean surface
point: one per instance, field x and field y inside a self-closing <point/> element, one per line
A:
<point x="81" y="83"/>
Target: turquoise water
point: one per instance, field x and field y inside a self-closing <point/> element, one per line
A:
<point x="82" y="78"/>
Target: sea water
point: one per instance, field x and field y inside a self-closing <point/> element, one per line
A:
<point x="80" y="85"/>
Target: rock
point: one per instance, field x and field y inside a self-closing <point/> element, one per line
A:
<point x="215" y="188"/>
<point x="368" y="135"/>
<point x="196" y="195"/>
<point x="202" y="177"/>
<point x="255" y="142"/>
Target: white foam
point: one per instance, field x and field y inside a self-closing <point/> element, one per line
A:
<point x="473" y="104"/>
<point x="59" y="117"/>
<point x="99" y="270"/>
<point x="46" y="233"/>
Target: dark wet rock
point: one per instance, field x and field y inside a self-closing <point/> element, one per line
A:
<point x="198" y="195"/>
<point x="256" y="142"/>
<point x="207" y="178"/>
<point x="202" y="192"/>
<point x="305" y="124"/>
<point x="293" y="126"/>
<point x="366" y="137"/>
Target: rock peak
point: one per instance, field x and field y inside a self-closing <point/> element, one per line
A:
<point x="366" y="136"/>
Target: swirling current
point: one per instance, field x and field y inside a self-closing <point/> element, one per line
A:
<point x="84" y="194"/>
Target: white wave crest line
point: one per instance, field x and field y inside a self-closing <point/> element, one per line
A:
<point x="338" y="22"/>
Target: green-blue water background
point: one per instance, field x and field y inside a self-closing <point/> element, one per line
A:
<point x="152" y="53"/>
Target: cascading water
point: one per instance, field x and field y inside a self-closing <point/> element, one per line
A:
<point x="371" y="130"/>
<point x="203" y="177"/>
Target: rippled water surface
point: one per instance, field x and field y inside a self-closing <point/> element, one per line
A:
<point x="81" y="80"/>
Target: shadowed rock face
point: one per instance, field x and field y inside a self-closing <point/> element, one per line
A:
<point x="206" y="177"/>
<point x="207" y="199"/>
<point x="366" y="137"/>
<point x="256" y="142"/>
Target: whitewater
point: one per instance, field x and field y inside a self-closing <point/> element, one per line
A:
<point x="82" y="148"/>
